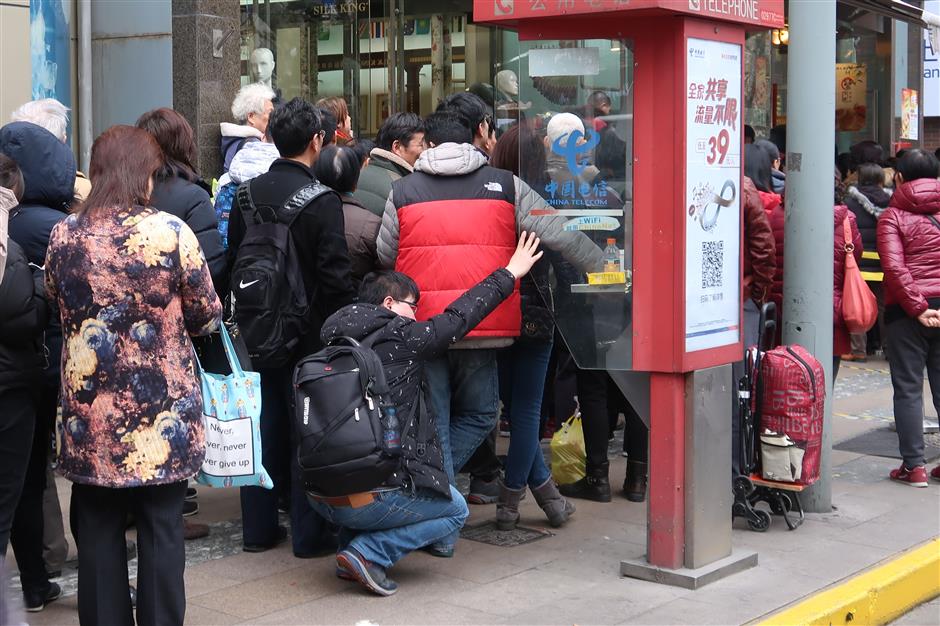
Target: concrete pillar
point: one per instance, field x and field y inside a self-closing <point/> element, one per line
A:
<point x="807" y="288"/>
<point x="206" y="71"/>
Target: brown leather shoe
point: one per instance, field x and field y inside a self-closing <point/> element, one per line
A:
<point x="193" y="530"/>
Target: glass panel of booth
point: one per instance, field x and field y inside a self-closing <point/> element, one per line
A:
<point x="573" y="100"/>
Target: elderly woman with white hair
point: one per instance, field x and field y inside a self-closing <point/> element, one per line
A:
<point x="251" y="109"/>
<point x="52" y="115"/>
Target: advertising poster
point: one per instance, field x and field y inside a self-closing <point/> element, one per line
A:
<point x="851" y="83"/>
<point x="910" y="111"/>
<point x="712" y="197"/>
<point x="50" y="49"/>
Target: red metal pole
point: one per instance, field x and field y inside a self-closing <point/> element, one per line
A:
<point x="666" y="523"/>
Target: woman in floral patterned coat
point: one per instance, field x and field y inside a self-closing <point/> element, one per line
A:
<point x="131" y="285"/>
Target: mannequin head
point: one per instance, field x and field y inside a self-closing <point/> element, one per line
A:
<point x="507" y="82"/>
<point x="261" y="65"/>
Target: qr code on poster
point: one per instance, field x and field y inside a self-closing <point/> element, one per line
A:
<point x="713" y="263"/>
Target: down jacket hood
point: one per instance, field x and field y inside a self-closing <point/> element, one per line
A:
<point x="48" y="165"/>
<point x="873" y="200"/>
<point x="450" y="159"/>
<point x="252" y="160"/>
<point x="920" y="196"/>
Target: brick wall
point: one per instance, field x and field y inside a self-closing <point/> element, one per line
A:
<point x="931" y="133"/>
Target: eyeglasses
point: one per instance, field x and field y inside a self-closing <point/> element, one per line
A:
<point x="412" y="305"/>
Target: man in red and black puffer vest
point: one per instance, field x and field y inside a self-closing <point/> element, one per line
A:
<point x="448" y="225"/>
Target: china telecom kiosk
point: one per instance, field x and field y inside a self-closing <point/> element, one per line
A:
<point x="660" y="172"/>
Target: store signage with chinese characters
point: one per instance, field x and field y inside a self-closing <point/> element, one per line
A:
<point x="851" y="85"/>
<point x="767" y="13"/>
<point x="713" y="180"/>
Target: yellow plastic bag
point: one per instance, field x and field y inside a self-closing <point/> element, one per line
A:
<point x="568" y="452"/>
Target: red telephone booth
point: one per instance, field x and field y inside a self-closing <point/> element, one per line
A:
<point x="651" y="157"/>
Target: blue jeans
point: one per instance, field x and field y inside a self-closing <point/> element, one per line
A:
<point x="522" y="369"/>
<point x="464" y="390"/>
<point x="397" y="523"/>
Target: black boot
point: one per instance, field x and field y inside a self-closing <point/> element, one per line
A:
<point x="594" y="486"/>
<point x="634" y="486"/>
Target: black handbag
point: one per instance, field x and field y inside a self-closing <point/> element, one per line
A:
<point x="538" y="323"/>
<point x="211" y="352"/>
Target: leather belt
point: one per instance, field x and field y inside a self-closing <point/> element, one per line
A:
<point x="354" y="500"/>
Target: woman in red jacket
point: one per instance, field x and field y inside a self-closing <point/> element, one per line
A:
<point x="909" y="246"/>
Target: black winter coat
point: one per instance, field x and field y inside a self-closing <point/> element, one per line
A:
<point x="319" y="238"/>
<point x="48" y="168"/>
<point x="404" y="346"/>
<point x="867" y="203"/>
<point x="191" y="203"/>
<point x="23" y="317"/>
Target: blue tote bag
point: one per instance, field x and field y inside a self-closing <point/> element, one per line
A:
<point x="231" y="408"/>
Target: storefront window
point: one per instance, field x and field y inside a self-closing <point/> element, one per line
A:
<point x="382" y="56"/>
<point x="576" y="96"/>
<point x="907" y="56"/>
<point x="878" y="69"/>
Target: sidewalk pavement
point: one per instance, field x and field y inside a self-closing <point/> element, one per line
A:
<point x="572" y="575"/>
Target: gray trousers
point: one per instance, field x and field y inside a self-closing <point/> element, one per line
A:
<point x="913" y="347"/>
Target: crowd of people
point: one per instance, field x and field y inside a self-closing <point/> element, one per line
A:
<point x="893" y="208"/>
<point x="428" y="240"/>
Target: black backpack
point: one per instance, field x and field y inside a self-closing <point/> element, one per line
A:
<point x="339" y="397"/>
<point x="268" y="295"/>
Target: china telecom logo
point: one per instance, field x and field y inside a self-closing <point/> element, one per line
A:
<point x="573" y="147"/>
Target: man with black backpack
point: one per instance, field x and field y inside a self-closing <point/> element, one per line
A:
<point x="414" y="506"/>
<point x="290" y="271"/>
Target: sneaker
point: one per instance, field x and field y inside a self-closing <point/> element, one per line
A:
<point x="483" y="491"/>
<point x="191" y="493"/>
<point x="190" y="507"/>
<point x="37" y="601"/>
<point x="504" y="428"/>
<point x="914" y="477"/>
<point x="369" y="575"/>
<point x="935" y="473"/>
<point x="344" y="574"/>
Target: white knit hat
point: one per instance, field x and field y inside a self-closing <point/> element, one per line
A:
<point x="562" y="125"/>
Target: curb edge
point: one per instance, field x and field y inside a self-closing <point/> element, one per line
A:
<point x="874" y="596"/>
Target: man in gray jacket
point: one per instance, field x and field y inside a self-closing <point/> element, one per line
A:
<point x="398" y="145"/>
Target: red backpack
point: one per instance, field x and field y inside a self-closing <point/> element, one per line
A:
<point x="792" y="394"/>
